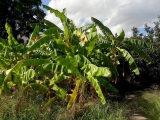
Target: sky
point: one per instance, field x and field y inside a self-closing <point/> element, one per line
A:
<point x="115" y="14"/>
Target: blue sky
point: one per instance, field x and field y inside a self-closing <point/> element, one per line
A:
<point x="115" y="14"/>
<point x="45" y="2"/>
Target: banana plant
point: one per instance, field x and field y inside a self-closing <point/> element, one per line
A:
<point x="115" y="47"/>
<point x="78" y="44"/>
<point x="16" y="55"/>
<point x="58" y="56"/>
<point x="10" y="50"/>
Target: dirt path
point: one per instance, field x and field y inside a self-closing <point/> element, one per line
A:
<point x="135" y="113"/>
<point x="137" y="117"/>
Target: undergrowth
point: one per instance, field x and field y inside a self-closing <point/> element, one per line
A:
<point x="149" y="104"/>
<point x="30" y="109"/>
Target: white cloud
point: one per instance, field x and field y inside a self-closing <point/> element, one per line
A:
<point x="128" y="34"/>
<point x="116" y="14"/>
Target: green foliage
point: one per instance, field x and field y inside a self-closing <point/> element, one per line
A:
<point x="116" y="47"/>
<point x="149" y="72"/>
<point x="41" y="41"/>
<point x="107" y="85"/>
<point x="60" y="92"/>
<point x="95" y="84"/>
<point x="138" y="42"/>
<point x="121" y="36"/>
<point x="68" y="65"/>
<point x="49" y="103"/>
<point x="65" y="21"/>
<point x="39" y="87"/>
<point x="55" y="60"/>
<point x="150" y="43"/>
<point x="86" y="27"/>
<point x="93" y="70"/>
<point x="104" y="29"/>
<point x="54" y="67"/>
<point x="11" y="39"/>
<point x="34" y="34"/>
<point x="131" y="61"/>
<point x="29" y="74"/>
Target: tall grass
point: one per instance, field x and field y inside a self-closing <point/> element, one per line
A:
<point x="110" y="111"/>
<point x="149" y="103"/>
<point x="30" y="110"/>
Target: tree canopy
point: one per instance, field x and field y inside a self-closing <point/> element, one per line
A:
<point x="19" y="14"/>
<point x="152" y="33"/>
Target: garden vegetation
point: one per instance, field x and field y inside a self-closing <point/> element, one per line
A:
<point x="70" y="66"/>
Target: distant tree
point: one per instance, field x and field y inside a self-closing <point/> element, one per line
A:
<point x="135" y="32"/>
<point x="141" y="36"/>
<point x="19" y="14"/>
<point x="149" y="72"/>
<point x="150" y="33"/>
<point x="157" y="29"/>
<point x="153" y="33"/>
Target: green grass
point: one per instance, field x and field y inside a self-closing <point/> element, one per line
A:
<point x="30" y="110"/>
<point x="110" y="111"/>
<point x="149" y="104"/>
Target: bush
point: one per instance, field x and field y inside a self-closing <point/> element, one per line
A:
<point x="149" y="73"/>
